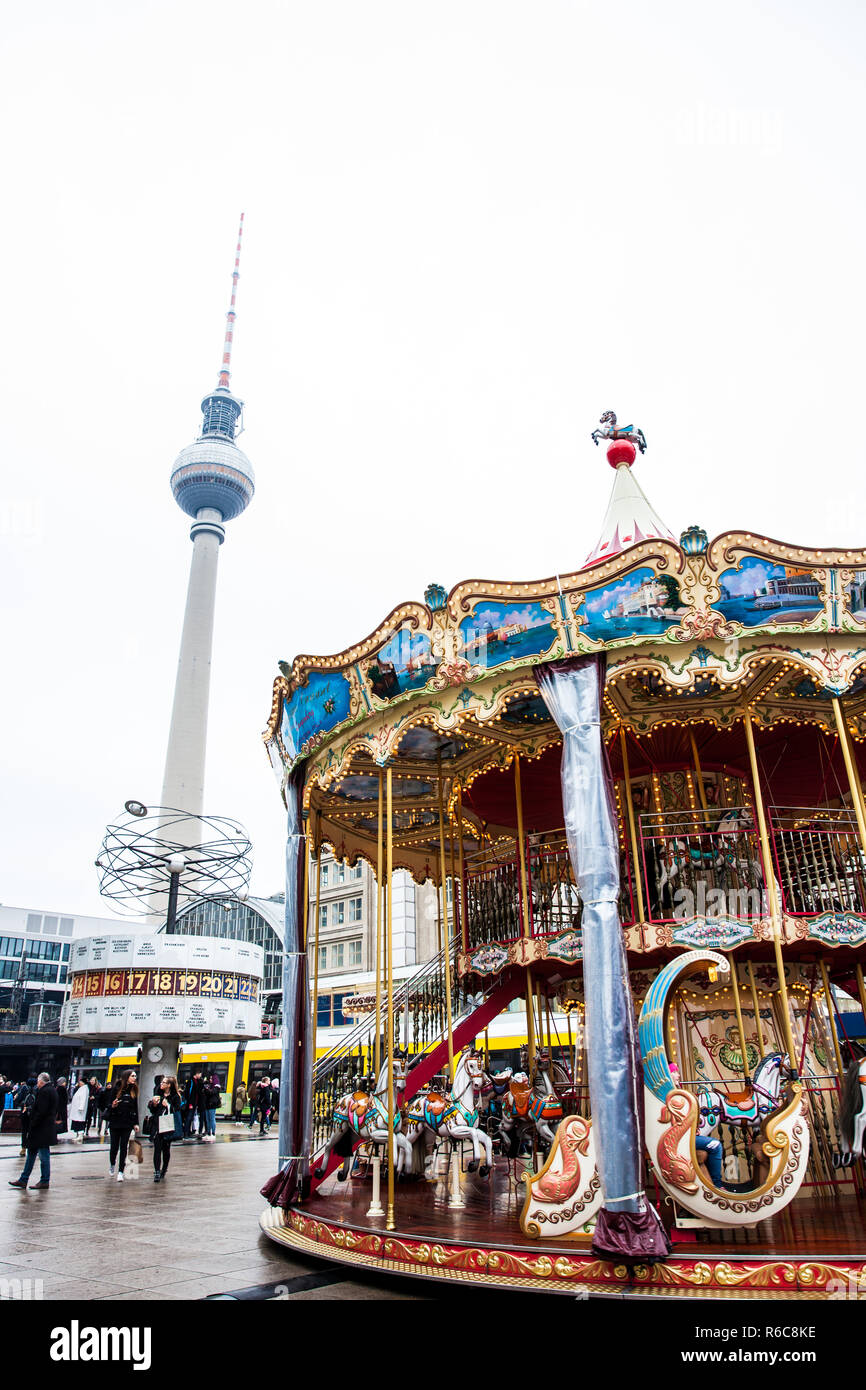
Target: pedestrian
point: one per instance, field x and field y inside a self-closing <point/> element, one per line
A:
<point x="211" y="1097"/>
<point x="26" y="1101"/>
<point x="166" y="1109"/>
<point x="78" y="1110"/>
<point x="264" y="1102"/>
<point x="122" y="1122"/>
<point x="92" y="1115"/>
<point x="62" y="1105"/>
<point x="42" y="1133"/>
<point x="275" y="1101"/>
<point x="104" y="1097"/>
<point x="238" y="1102"/>
<point x="253" y="1098"/>
<point x="191" y="1103"/>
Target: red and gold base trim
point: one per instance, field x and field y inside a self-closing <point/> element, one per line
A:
<point x="561" y="1273"/>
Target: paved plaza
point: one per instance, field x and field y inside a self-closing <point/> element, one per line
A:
<point x="192" y="1237"/>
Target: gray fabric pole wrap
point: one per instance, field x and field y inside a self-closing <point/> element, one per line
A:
<point x="572" y="693"/>
<point x="296" y="1071"/>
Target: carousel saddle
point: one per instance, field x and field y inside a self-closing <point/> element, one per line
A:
<point x="740" y="1100"/>
<point x="521" y="1096"/>
<point x="358" y="1109"/>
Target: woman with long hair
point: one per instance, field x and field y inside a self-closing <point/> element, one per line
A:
<point x="122" y="1112"/>
<point x="166" y="1123"/>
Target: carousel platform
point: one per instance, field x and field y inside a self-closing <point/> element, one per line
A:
<point x="811" y="1250"/>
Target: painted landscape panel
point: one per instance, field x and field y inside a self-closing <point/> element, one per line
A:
<point x="500" y="632"/>
<point x="643" y="603"/>
<point x="406" y="662"/>
<point x="759" y="593"/>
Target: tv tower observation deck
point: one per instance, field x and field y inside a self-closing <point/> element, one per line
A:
<point x="213" y="482"/>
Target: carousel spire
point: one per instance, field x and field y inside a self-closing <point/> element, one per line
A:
<point x="629" y="517"/>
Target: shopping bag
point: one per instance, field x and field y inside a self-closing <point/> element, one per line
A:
<point x="134" y="1153"/>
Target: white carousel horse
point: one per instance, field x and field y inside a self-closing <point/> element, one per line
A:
<point x="530" y="1103"/>
<point x="629" y="432"/>
<point x="364" y="1116"/>
<point x="456" y="1116"/>
<point x="852" y="1112"/>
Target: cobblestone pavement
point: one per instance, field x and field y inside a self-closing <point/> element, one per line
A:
<point x="193" y="1236"/>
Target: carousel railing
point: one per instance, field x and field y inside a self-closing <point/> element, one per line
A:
<point x="819" y="860"/>
<point x="701" y="863"/>
<point x="493" y="891"/>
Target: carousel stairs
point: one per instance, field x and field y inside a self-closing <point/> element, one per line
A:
<point x="465" y="1027"/>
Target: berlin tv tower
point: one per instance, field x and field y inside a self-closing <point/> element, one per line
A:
<point x="213" y="482"/>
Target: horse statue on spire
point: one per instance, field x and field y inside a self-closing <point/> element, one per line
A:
<point x="611" y="432"/>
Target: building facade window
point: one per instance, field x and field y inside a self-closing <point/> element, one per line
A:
<point x="355" y="906"/>
<point x="354" y="949"/>
<point x="338" y="913"/>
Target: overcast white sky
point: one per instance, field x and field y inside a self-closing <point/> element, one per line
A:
<point x="470" y="228"/>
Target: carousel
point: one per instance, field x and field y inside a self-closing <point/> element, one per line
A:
<point x="637" y="789"/>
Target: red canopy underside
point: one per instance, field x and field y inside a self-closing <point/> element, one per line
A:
<point x="800" y="766"/>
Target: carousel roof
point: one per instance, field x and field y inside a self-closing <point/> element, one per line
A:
<point x="629" y="518"/>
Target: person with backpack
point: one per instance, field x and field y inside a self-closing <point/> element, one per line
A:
<point x="192" y="1104"/>
<point x="238" y="1102"/>
<point x="264" y="1103"/>
<point x="211" y="1097"/>
<point x="26" y="1100"/>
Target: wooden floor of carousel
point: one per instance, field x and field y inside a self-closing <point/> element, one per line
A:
<point x="814" y="1248"/>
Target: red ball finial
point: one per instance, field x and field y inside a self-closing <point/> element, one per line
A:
<point x="621" y="451"/>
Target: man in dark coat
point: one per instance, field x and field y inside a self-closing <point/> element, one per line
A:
<point x="42" y="1133"/>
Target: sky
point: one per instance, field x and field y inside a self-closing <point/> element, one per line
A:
<point x="470" y="228"/>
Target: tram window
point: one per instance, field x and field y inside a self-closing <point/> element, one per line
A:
<point x="339" y="1017"/>
<point x="323" y="1010"/>
<point x="260" y="1067"/>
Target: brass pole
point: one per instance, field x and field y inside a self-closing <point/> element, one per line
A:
<point x="444" y="912"/>
<point x="851" y="769"/>
<point x="756" y="1008"/>
<point x="379" y="943"/>
<point x="831" y="1012"/>
<point x="389" y="947"/>
<point x="306" y="936"/>
<point x="464" y="926"/>
<point x="701" y="789"/>
<point x="629" y="805"/>
<point x="770" y="880"/>
<point x="316" y="941"/>
<point x="861" y="989"/>
<point x="736" y="987"/>
<point x="524" y="893"/>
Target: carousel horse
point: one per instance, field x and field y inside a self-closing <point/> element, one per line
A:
<point x="530" y="1103"/>
<point x="852" y="1112"/>
<point x="494" y="1088"/>
<point x="455" y="1117"/>
<point x="612" y="432"/>
<point x="363" y="1116"/>
<point x="749" y="1107"/>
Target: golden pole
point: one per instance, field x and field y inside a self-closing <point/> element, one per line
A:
<point x="831" y="1011"/>
<point x="736" y="986"/>
<point x="464" y="926"/>
<point x="701" y="789"/>
<point x="306" y="881"/>
<point x="444" y="913"/>
<point x="316" y="941"/>
<point x="524" y="893"/>
<point x="770" y="880"/>
<point x="756" y="1009"/>
<point x="850" y="768"/>
<point x="861" y="989"/>
<point x="629" y="805"/>
<point x="379" y="943"/>
<point x="389" y="944"/>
